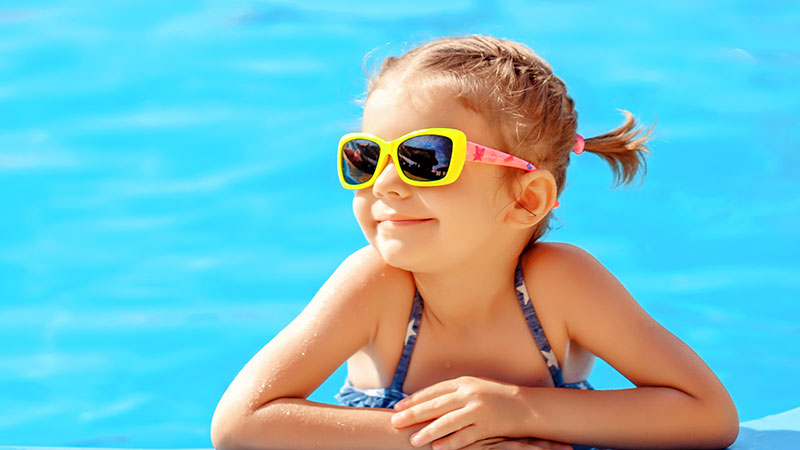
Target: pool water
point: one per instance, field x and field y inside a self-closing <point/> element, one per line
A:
<point x="168" y="199"/>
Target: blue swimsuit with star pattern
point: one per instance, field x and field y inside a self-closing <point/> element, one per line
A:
<point x="350" y="395"/>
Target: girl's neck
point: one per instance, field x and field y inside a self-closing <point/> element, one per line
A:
<point x="468" y="292"/>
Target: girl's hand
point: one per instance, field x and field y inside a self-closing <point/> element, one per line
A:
<point x="463" y="411"/>
<point x="517" y="444"/>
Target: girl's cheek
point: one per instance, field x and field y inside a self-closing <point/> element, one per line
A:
<point x="363" y="214"/>
<point x="360" y="207"/>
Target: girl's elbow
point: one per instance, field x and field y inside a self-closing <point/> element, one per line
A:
<point x="222" y="431"/>
<point x="228" y="426"/>
<point x="726" y="429"/>
<point x="730" y="428"/>
<point x="219" y="435"/>
<point x="235" y="433"/>
<point x="730" y="435"/>
<point x="245" y="428"/>
<point x="718" y="438"/>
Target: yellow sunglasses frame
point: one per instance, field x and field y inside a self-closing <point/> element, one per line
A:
<point x="389" y="149"/>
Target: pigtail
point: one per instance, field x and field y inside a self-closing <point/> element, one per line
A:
<point x="623" y="149"/>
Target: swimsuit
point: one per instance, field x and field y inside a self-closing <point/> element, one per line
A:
<point x="350" y="395"/>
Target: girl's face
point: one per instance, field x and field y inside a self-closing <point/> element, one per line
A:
<point x="435" y="227"/>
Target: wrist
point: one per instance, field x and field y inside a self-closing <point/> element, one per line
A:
<point x="530" y="422"/>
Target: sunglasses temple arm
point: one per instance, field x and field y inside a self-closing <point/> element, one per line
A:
<point x="486" y="155"/>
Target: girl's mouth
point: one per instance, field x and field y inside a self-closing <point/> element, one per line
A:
<point x="404" y="222"/>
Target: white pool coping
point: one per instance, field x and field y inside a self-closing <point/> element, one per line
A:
<point x="775" y="432"/>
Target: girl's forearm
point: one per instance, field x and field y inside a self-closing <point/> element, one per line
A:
<point x="644" y="417"/>
<point x="293" y="423"/>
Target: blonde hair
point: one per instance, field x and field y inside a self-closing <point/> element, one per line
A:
<point x="516" y="91"/>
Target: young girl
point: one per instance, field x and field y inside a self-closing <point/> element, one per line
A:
<point x="456" y="301"/>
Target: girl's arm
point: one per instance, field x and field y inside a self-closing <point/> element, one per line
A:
<point x="678" y="401"/>
<point x="295" y="423"/>
<point x="265" y="406"/>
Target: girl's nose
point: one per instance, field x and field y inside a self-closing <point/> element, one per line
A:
<point x="389" y="183"/>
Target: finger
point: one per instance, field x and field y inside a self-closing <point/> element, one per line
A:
<point x="515" y="445"/>
<point x="457" y="426"/>
<point x="485" y="444"/>
<point x="428" y="410"/>
<point x="548" y="445"/>
<point x="504" y="444"/>
<point x="458" y="439"/>
<point x="432" y="391"/>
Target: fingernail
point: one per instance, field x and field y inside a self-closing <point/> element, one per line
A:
<point x="416" y="441"/>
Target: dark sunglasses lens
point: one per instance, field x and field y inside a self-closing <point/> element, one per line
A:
<point x="359" y="160"/>
<point x="426" y="157"/>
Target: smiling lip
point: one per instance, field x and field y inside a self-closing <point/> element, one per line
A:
<point x="405" y="221"/>
<point x="400" y="220"/>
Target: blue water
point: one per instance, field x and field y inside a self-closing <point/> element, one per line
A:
<point x="150" y="243"/>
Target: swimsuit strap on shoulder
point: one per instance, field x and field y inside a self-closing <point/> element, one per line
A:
<point x="536" y="328"/>
<point x="410" y="341"/>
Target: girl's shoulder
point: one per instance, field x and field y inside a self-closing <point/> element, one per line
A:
<point x="554" y="258"/>
<point x="588" y="298"/>
<point x="559" y="258"/>
<point x="559" y="276"/>
<point x="375" y="285"/>
<point x="366" y="269"/>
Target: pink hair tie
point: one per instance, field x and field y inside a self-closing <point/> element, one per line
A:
<point x="579" y="145"/>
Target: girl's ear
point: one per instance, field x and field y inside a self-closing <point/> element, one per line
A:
<point x="535" y="194"/>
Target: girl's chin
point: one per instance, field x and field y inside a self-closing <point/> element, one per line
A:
<point x="412" y="258"/>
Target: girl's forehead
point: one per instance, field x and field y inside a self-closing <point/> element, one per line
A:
<point x="392" y="111"/>
<point x="392" y="105"/>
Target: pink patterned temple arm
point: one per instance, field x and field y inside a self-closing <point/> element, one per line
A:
<point x="479" y="153"/>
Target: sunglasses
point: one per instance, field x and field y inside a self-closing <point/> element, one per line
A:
<point x="428" y="157"/>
